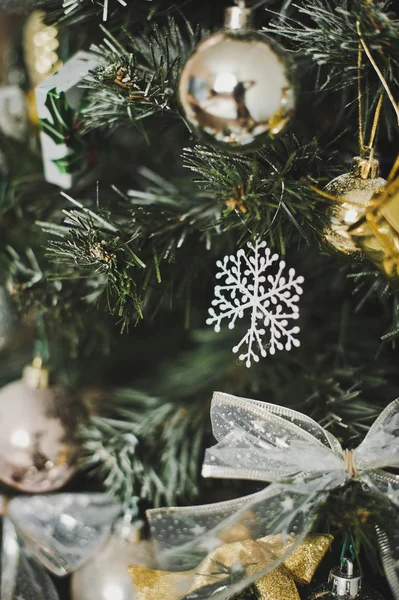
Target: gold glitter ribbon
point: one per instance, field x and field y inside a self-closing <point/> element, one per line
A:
<point x="279" y="584"/>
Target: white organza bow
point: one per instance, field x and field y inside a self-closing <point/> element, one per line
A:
<point x="59" y="532"/>
<point x="304" y="462"/>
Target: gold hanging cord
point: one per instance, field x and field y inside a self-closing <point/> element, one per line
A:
<point x="377" y="70"/>
<point x="369" y="148"/>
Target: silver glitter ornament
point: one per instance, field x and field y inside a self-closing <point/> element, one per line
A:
<point x="344" y="584"/>
<point x="38" y="423"/>
<point x="237" y="89"/>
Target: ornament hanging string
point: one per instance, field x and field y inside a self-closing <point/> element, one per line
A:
<point x="351" y="550"/>
<point x="370" y="147"/>
<point x="377" y="70"/>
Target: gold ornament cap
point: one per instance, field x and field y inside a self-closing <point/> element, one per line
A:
<point x="238" y="17"/>
<point x="365" y="168"/>
<point x="35" y="376"/>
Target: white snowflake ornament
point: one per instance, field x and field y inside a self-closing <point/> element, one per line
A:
<point x="271" y="299"/>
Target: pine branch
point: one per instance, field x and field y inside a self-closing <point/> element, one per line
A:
<point x="266" y="194"/>
<point x="124" y="263"/>
<point x="74" y="12"/>
<point x="90" y="246"/>
<point x="138" y="80"/>
<point x="326" y="32"/>
<point x="157" y="458"/>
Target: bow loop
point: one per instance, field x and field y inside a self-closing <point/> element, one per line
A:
<point x="266" y="442"/>
<point x="380" y="447"/>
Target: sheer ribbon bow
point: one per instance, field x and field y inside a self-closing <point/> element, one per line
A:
<point x="303" y="462"/>
<point x="59" y="532"/>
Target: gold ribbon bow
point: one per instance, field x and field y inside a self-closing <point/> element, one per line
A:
<point x="279" y="584"/>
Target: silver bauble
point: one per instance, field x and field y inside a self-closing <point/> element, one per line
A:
<point x="237" y="87"/>
<point x="106" y="577"/>
<point x="38" y="446"/>
<point x="358" y="190"/>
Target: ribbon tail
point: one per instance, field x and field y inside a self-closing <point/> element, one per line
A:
<point x="63" y="531"/>
<point x="219" y="545"/>
<point x="21" y="576"/>
<point x="378" y="450"/>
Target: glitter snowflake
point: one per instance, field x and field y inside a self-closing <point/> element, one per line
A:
<point x="270" y="298"/>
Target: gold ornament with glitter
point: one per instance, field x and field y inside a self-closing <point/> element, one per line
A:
<point x="355" y="190"/>
<point x="377" y="233"/>
<point x="237" y="89"/>
<point x="355" y="193"/>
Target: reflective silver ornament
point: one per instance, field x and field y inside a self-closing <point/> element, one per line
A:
<point x="237" y="88"/>
<point x="106" y="577"/>
<point x="38" y="423"/>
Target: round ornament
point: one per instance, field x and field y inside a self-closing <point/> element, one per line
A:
<point x="237" y="88"/>
<point x="357" y="187"/>
<point x="41" y="48"/>
<point x="343" y="584"/>
<point x="38" y="423"/>
<point x="106" y="577"/>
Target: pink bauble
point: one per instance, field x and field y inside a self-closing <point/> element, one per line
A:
<point x="38" y="445"/>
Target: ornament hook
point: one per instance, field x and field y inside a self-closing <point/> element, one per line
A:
<point x="349" y="566"/>
<point x="238" y="16"/>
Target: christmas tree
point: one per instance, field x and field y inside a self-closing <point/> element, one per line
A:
<point x="199" y="197"/>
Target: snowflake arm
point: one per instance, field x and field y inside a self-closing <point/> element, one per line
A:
<point x="272" y="300"/>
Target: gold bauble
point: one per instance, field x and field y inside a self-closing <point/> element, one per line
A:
<point x="41" y="47"/>
<point x="377" y="233"/>
<point x="357" y="187"/>
<point x="237" y="88"/>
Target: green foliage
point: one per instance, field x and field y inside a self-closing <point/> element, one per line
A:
<point x="75" y="12"/>
<point x="272" y="186"/>
<point x="151" y="445"/>
<point x="326" y="31"/>
<point x="137" y="80"/>
<point x="124" y="262"/>
<point x="352" y="513"/>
